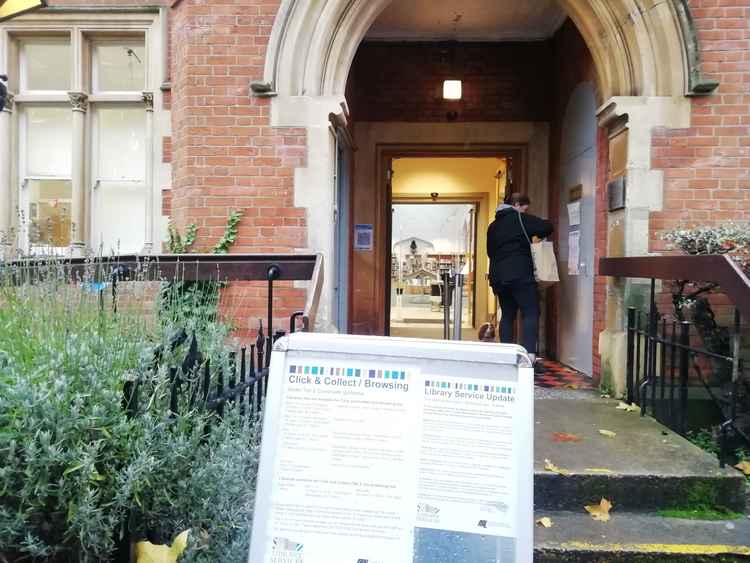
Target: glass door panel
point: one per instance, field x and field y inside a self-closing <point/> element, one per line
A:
<point x="426" y="240"/>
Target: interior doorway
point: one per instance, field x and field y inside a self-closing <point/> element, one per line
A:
<point x="440" y="206"/>
<point x="428" y="239"/>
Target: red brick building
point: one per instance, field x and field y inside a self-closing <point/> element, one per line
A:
<point x="127" y="114"/>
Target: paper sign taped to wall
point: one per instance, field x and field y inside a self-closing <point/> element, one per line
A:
<point x="363" y="237"/>
<point x="574" y="213"/>
<point x="574" y="252"/>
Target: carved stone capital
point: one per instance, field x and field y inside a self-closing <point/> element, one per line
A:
<point x="148" y="100"/>
<point x="10" y="102"/>
<point x="79" y="101"/>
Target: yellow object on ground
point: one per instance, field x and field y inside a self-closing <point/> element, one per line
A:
<point x="146" y="552"/>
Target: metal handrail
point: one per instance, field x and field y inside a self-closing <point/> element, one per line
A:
<point x="650" y="370"/>
<point x="194" y="267"/>
<point x="714" y="268"/>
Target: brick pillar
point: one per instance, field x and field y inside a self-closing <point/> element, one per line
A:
<point x="226" y="156"/>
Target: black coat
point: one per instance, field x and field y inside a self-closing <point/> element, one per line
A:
<point x="508" y="248"/>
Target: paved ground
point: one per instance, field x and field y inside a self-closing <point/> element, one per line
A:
<point x="641" y="446"/>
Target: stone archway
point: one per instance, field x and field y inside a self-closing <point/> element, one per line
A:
<point x="640" y="47"/>
<point x="646" y="60"/>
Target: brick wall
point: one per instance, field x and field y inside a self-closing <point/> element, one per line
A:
<point x="707" y="166"/>
<point x="225" y="154"/>
<point x="118" y="3"/>
<point x="403" y="81"/>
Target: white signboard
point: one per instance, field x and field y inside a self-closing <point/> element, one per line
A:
<point x="387" y="450"/>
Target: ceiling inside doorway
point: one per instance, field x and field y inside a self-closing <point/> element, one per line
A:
<point x="469" y="20"/>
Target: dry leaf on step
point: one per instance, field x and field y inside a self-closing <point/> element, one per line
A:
<point x="545" y="522"/>
<point x="549" y="466"/>
<point x="744" y="466"/>
<point x="608" y="433"/>
<point x="599" y="470"/>
<point x="565" y="437"/>
<point x="626" y="407"/>
<point x="600" y="511"/>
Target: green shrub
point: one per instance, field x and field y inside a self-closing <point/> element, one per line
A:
<point x="77" y="474"/>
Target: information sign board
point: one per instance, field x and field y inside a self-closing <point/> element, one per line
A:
<point x="389" y="450"/>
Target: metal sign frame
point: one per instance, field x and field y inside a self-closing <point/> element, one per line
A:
<point x="461" y="361"/>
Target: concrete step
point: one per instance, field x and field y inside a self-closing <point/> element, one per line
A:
<point x="644" y="467"/>
<point x="633" y="537"/>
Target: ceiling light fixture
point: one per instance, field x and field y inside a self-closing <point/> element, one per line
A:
<point x="452" y="90"/>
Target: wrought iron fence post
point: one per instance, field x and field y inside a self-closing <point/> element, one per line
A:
<point x="650" y="362"/>
<point x="684" y="373"/>
<point x="629" y="370"/>
<point x="274" y="272"/>
<point x="736" y="369"/>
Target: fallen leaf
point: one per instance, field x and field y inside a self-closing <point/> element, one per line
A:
<point x="146" y="552"/>
<point x="565" y="437"/>
<point x="549" y="466"/>
<point x="608" y="433"/>
<point x="744" y="466"/>
<point x="600" y="511"/>
<point x="599" y="470"/>
<point x="545" y="522"/>
<point x="571" y="386"/>
<point x="626" y="407"/>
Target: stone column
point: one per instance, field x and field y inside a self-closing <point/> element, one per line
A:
<point x="148" y="100"/>
<point x="6" y="189"/>
<point x="79" y="101"/>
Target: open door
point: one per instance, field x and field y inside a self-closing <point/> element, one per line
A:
<point x="342" y="221"/>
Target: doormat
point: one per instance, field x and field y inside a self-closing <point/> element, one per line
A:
<point x="557" y="376"/>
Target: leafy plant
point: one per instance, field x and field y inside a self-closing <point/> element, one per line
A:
<point x="79" y="474"/>
<point x="178" y="244"/>
<point x="731" y="239"/>
<point x="230" y="234"/>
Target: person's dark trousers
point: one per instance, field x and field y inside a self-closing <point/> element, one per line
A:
<point x="523" y="295"/>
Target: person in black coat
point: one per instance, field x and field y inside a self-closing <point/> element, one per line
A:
<point x="512" y="269"/>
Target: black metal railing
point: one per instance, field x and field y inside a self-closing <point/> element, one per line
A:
<point x="114" y="270"/>
<point x="666" y="370"/>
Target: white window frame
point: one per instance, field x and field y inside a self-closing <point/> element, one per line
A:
<point x="94" y="42"/>
<point x="24" y="198"/>
<point x="22" y="75"/>
<point x="86" y="28"/>
<point x="96" y="176"/>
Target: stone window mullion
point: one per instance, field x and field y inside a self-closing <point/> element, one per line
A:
<point x="79" y="105"/>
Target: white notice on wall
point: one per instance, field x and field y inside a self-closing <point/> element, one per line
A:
<point x="574" y="252"/>
<point x="574" y="213"/>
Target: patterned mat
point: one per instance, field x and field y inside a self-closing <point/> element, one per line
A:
<point x="558" y="376"/>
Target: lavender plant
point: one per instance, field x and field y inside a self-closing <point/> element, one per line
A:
<point x="79" y="476"/>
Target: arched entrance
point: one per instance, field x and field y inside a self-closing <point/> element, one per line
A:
<point x="645" y="61"/>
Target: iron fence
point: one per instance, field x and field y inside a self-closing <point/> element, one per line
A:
<point x="666" y="370"/>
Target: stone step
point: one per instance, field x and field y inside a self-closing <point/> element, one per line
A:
<point x="644" y="466"/>
<point x="635" y="537"/>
